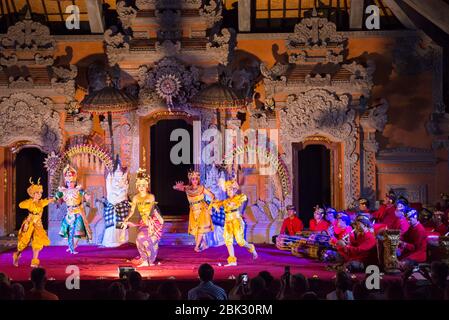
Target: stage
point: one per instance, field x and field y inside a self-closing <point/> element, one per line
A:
<point x="180" y="262"/>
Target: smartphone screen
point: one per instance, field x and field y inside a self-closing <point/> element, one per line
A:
<point x="244" y="278"/>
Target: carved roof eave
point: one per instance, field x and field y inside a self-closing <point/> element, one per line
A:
<point x="356" y="87"/>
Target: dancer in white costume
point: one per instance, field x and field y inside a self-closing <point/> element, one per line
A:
<point x="116" y="208"/>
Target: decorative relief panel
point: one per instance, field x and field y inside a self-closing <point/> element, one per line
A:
<point x="24" y="117"/>
<point x="321" y="112"/>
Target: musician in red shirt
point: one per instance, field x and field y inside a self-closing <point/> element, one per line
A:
<point x="318" y="224"/>
<point x="386" y="213"/>
<point x="413" y="248"/>
<point x="362" y="244"/>
<point x="343" y="228"/>
<point x="401" y="223"/>
<point x="437" y="225"/>
<point x="292" y="224"/>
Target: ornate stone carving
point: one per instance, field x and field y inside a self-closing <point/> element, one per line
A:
<point x="21" y="82"/>
<point x="314" y="32"/>
<point x="362" y="77"/>
<point x="319" y="111"/>
<point x="375" y="118"/>
<point x="28" y="35"/>
<point x="212" y="12"/>
<point x="276" y="72"/>
<point x="318" y="80"/>
<point x="222" y="45"/>
<point x="168" y="48"/>
<point x="116" y="43"/>
<point x="412" y="192"/>
<point x="188" y="77"/>
<point x="168" y="4"/>
<point x="29" y="118"/>
<point x="126" y="14"/>
<point x="390" y="241"/>
<point x="43" y="60"/>
<point x="62" y="74"/>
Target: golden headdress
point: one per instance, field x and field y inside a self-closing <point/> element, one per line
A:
<point x="69" y="173"/>
<point x="226" y="184"/>
<point x="142" y="177"/>
<point x="193" y="174"/>
<point x="33" y="188"/>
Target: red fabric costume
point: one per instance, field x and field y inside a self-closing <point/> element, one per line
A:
<point x="440" y="229"/>
<point x="323" y="225"/>
<point x="361" y="248"/>
<point x="339" y="234"/>
<point x="385" y="215"/>
<point x="401" y="224"/>
<point x="415" y="247"/>
<point x="292" y="226"/>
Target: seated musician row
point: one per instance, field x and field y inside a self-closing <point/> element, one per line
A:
<point x="352" y="235"/>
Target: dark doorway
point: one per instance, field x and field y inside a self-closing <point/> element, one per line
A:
<point x="312" y="173"/>
<point x="164" y="173"/>
<point x="29" y="163"/>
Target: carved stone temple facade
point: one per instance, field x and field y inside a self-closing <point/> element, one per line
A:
<point x="373" y="98"/>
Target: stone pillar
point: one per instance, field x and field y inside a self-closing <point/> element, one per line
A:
<point x="372" y="120"/>
<point x="95" y="13"/>
<point x="368" y="152"/>
<point x="244" y="10"/>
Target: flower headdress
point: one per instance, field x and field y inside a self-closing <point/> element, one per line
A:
<point x="33" y="188"/>
<point x="69" y="173"/>
<point x="142" y="177"/>
<point x="193" y="174"/>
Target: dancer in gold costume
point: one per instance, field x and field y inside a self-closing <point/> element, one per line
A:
<point x="234" y="226"/>
<point x="200" y="221"/>
<point x="32" y="229"/>
<point x="151" y="223"/>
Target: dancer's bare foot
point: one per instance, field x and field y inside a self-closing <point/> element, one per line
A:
<point x="196" y="249"/>
<point x="231" y="264"/>
<point x="15" y="259"/>
<point x="143" y="264"/>
<point x="255" y="255"/>
<point x="35" y="263"/>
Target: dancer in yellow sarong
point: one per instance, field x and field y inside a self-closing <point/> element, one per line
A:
<point x="150" y="225"/>
<point x="200" y="221"/>
<point x="32" y="229"/>
<point x="234" y="226"/>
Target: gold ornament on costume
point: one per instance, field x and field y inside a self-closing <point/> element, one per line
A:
<point x="69" y="173"/>
<point x="193" y="174"/>
<point x="33" y="188"/>
<point x="142" y="177"/>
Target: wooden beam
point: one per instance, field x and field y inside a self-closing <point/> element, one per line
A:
<point x="356" y="14"/>
<point x="95" y="13"/>
<point x="436" y="11"/>
<point x="400" y="14"/>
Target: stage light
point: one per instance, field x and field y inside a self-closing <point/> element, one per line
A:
<point x="123" y="271"/>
